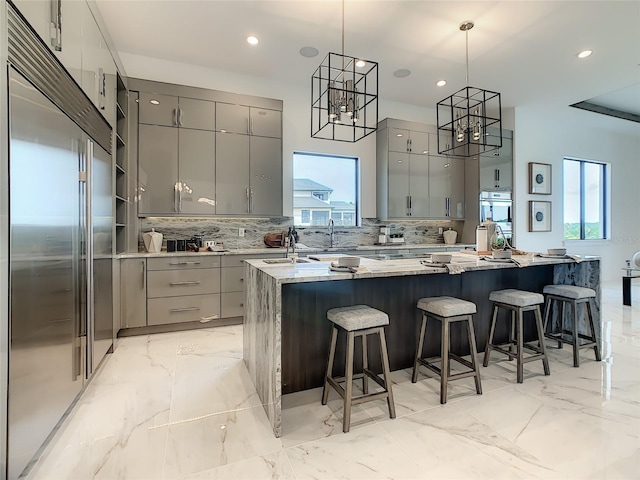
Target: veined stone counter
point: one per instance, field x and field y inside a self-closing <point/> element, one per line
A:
<point x="286" y="334"/>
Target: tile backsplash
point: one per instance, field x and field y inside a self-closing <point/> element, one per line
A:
<point x="226" y="230"/>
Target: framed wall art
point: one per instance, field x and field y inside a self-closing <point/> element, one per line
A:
<point x="539" y="216"/>
<point x="540" y="178"/>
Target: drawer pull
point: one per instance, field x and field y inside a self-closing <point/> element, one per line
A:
<point x="185" y="263"/>
<point x="174" y="284"/>
<point x="184" y="309"/>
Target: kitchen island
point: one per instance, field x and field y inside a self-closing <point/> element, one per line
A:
<point x="286" y="334"/>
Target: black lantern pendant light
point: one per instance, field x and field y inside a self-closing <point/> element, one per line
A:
<point x="344" y="97"/>
<point x="470" y="120"/>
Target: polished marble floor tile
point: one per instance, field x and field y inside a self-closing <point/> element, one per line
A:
<point x="182" y="406"/>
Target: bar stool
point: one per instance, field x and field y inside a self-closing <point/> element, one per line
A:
<point x="574" y="296"/>
<point x="358" y="321"/>
<point x="518" y="302"/>
<point x="447" y="310"/>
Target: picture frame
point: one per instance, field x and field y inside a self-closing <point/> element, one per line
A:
<point x="540" y="178"/>
<point x="539" y="216"/>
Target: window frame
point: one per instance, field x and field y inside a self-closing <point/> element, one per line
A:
<point x="605" y="205"/>
<point x="357" y="214"/>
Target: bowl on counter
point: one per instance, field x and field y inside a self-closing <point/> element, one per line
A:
<point x="557" y="251"/>
<point x="502" y="254"/>
<point x="441" y="257"/>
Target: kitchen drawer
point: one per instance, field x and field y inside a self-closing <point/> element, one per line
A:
<point x="189" y="308"/>
<point x="232" y="279"/>
<point x="238" y="260"/>
<point x="182" y="262"/>
<point x="232" y="304"/>
<point x="167" y="283"/>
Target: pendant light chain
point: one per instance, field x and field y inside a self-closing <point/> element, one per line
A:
<point x="466" y="33"/>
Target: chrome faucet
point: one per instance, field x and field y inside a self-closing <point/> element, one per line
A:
<point x="332" y="239"/>
<point x="291" y="237"/>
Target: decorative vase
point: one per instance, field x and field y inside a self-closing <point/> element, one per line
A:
<point x="152" y="241"/>
<point x="450" y="236"/>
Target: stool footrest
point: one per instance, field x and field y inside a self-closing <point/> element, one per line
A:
<point x="438" y="371"/>
<point x="560" y="337"/>
<point x="538" y="353"/>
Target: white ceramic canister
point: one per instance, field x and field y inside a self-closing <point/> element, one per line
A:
<point x="152" y="241"/>
<point x="450" y="236"/>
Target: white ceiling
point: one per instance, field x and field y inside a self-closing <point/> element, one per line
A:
<point x="526" y="50"/>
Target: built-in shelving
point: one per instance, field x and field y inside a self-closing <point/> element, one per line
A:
<point x="121" y="194"/>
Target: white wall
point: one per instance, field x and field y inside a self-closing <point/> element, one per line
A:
<point x="543" y="133"/>
<point x="547" y="134"/>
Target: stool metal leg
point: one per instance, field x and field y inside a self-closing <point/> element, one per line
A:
<point x="596" y="347"/>
<point x="423" y="325"/>
<point x="574" y="341"/>
<point x="444" y="361"/>
<point x="512" y="338"/>
<point x="365" y="365"/>
<point x="543" y="349"/>
<point x="474" y="354"/>
<point x="348" y="388"/>
<point x="520" y="353"/>
<point x="487" y="350"/>
<point x="547" y="311"/>
<point x="562" y="313"/>
<point x="386" y="373"/>
<point x="329" y="372"/>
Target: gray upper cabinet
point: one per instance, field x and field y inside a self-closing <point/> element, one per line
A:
<point x="197" y="171"/>
<point x="412" y="180"/>
<point x="248" y="120"/>
<point x="402" y="140"/>
<point x="265" y="170"/>
<point x="157" y="170"/>
<point x="446" y="187"/>
<point x="171" y="111"/>
<point x="232" y="174"/>
<point x="496" y="167"/>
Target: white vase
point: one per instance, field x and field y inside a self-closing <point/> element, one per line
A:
<point x="152" y="241"/>
<point x="450" y="236"/>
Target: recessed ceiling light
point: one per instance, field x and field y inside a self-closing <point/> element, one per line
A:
<point x="403" y="72"/>
<point x="360" y="63"/>
<point x="308" y="52"/>
<point x="251" y="40"/>
<point x="585" y="53"/>
<point x="154" y="102"/>
<point x="441" y="83"/>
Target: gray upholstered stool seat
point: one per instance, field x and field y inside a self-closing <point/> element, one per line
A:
<point x="358" y="321"/>
<point x="517" y="302"/>
<point x="570" y="291"/>
<point x="446" y="306"/>
<point x="574" y="296"/>
<point x="448" y="310"/>
<point x="518" y="298"/>
<point x="357" y="317"/>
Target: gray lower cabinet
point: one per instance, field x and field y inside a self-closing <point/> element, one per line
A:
<point x="133" y="292"/>
<point x="183" y="289"/>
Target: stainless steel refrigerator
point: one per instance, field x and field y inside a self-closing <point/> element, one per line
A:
<point x="61" y="224"/>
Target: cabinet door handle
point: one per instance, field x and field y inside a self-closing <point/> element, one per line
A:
<point x="179" y="116"/>
<point x="248" y="126"/>
<point x="55" y="25"/>
<point x="144" y="275"/>
<point x="251" y="200"/>
<point x="447" y="206"/>
<point x="175" y="197"/>
<point x="184" y="263"/>
<point x="101" y="88"/>
<point x="184" y="309"/>
<point x="251" y="125"/>
<point x="177" y="284"/>
<point x="174" y="119"/>
<point x="248" y="201"/>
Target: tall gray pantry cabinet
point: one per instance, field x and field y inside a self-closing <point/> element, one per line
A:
<point x="249" y="160"/>
<point x="176" y="155"/>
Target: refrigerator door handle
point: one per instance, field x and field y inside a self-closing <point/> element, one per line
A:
<point x="89" y="254"/>
<point x="55" y="26"/>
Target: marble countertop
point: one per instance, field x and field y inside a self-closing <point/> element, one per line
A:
<point x="304" y="251"/>
<point x="315" y="271"/>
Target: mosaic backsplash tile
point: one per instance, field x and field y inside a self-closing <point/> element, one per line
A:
<point x="226" y="230"/>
